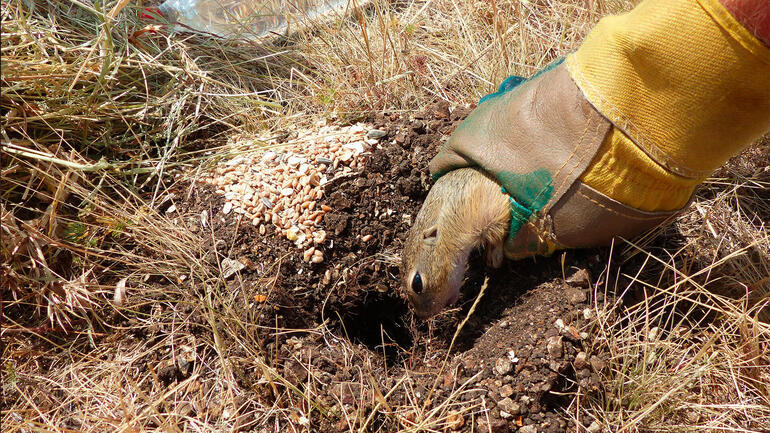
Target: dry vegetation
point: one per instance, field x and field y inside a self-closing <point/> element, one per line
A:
<point x="101" y="115"/>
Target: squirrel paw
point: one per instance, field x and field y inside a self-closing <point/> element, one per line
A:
<point x="494" y="255"/>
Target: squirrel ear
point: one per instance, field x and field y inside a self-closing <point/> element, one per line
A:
<point x="430" y="234"/>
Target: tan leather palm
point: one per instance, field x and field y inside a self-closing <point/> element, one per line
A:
<point x="536" y="140"/>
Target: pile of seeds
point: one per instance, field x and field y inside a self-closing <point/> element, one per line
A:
<point x="280" y="185"/>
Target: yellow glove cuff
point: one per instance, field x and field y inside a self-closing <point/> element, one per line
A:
<point x="686" y="84"/>
<point x="622" y="171"/>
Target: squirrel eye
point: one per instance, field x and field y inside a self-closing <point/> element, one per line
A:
<point x="417" y="283"/>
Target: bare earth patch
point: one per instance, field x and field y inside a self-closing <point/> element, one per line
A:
<point x="340" y="331"/>
<point x="131" y="302"/>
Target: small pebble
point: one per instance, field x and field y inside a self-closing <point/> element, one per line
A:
<point x="575" y="295"/>
<point x="555" y="347"/>
<point x="503" y="366"/>
<point x="509" y="406"/>
<point x="595" y="427"/>
<point x="581" y="361"/>
<point x="581" y="278"/>
<point x="597" y="363"/>
<point x="455" y="420"/>
<point x="376" y="133"/>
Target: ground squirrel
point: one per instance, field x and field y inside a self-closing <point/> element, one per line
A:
<point x="466" y="209"/>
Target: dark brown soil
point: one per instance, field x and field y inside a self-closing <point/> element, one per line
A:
<point x="513" y="366"/>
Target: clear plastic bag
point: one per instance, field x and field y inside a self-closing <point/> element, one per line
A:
<point x="250" y="19"/>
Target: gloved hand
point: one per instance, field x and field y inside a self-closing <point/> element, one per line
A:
<point x="537" y="137"/>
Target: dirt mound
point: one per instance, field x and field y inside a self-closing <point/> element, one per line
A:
<point x="355" y="346"/>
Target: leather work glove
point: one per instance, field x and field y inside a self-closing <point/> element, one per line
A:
<point x="537" y="137"/>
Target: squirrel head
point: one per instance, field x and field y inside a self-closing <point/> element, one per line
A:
<point x="431" y="273"/>
<point x="464" y="210"/>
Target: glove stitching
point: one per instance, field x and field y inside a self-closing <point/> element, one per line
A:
<point x="574" y="151"/>
<point x="597" y="127"/>
<point x="621" y="214"/>
<point x="638" y="136"/>
<point x="557" y="191"/>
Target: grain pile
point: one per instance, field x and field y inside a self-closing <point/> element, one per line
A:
<point x="279" y="187"/>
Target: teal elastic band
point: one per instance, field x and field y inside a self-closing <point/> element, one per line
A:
<point x="513" y="81"/>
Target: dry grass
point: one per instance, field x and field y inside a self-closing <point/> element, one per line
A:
<point x="456" y="51"/>
<point x="101" y="288"/>
<point x="691" y="353"/>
